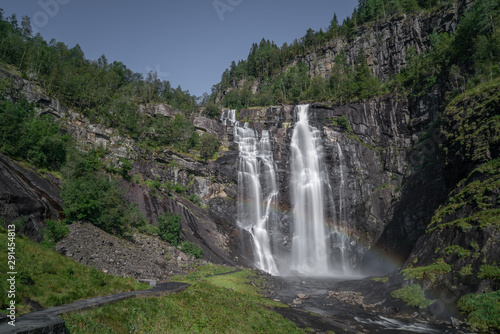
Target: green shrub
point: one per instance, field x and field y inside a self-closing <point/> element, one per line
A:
<point x="209" y="145"/>
<point x="125" y="167"/>
<point x="169" y="226"/>
<point x="55" y="230"/>
<point x="191" y="248"/>
<point x="489" y="272"/>
<point x="413" y="295"/>
<point x="93" y="197"/>
<point x="483" y="310"/>
<point x="465" y="270"/>
<point x="430" y="272"/>
<point x="179" y="188"/>
<point x="29" y="137"/>
<point x="149" y="229"/>
<point x="195" y="199"/>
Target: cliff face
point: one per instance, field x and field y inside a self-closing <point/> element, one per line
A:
<point x="459" y="250"/>
<point x="366" y="157"/>
<point x="372" y="144"/>
<point x="27" y="197"/>
<point x="33" y="195"/>
<point x="385" y="44"/>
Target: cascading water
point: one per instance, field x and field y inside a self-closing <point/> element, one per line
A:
<point x="257" y="193"/>
<point x="309" y="244"/>
<point x="338" y="236"/>
<point x="320" y="245"/>
<point x="228" y="115"/>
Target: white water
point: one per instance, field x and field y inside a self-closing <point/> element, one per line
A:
<point x="339" y="238"/>
<point x="320" y="242"/>
<point x="257" y="192"/>
<point x="309" y="244"/>
<point x="228" y="115"/>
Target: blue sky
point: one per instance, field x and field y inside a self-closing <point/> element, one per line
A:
<point x="190" y="42"/>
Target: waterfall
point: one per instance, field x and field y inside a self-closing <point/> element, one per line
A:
<point x="320" y="242"/>
<point x="228" y="115"/>
<point x="257" y="192"/>
<point x="309" y="244"/>
<point x="338" y="236"/>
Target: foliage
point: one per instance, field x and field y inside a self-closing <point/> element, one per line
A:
<point x="148" y="229"/>
<point x="343" y="122"/>
<point x="177" y="132"/>
<point x="212" y="110"/>
<point x="475" y="196"/>
<point x="430" y="272"/>
<point x="55" y="230"/>
<point x="195" y="199"/>
<point x="466" y="270"/>
<point x="26" y="136"/>
<point x="457" y="250"/>
<point x="209" y="145"/>
<point x="125" y="167"/>
<point x="103" y="91"/>
<point x="471" y="125"/>
<point x="191" y="248"/>
<point x="487" y="271"/>
<point x="89" y="195"/>
<point x="413" y="295"/>
<point x="271" y="65"/>
<point x="51" y="279"/>
<point x="483" y="310"/>
<point x="169" y="226"/>
<point x="179" y="188"/>
<point x="218" y="304"/>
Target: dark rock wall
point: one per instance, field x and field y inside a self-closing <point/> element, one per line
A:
<point x="375" y="148"/>
<point x="27" y="196"/>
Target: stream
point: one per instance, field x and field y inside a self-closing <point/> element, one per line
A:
<point x="328" y="314"/>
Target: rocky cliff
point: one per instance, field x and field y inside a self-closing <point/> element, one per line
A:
<point x="385" y="44"/>
<point x="33" y="196"/>
<point x="371" y="146"/>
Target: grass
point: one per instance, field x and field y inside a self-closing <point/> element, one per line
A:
<point x="51" y="279"/>
<point x="212" y="304"/>
<point x="413" y="295"/>
<point x="380" y="279"/>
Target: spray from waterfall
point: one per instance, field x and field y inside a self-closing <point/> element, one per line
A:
<point x="257" y="193"/>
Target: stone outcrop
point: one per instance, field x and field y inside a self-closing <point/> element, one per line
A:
<point x="27" y="197"/>
<point x="36" y="197"/>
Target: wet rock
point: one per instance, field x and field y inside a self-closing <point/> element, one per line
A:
<point x="350" y="297"/>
